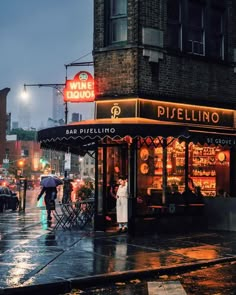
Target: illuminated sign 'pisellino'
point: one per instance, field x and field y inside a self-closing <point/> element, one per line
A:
<point x="183" y="114"/>
<point x="80" y="89"/>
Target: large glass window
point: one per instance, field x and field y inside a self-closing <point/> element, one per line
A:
<point x="208" y="173"/>
<point x="117" y="21"/>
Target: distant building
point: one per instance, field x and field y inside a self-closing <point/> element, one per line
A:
<point x="15" y="125"/>
<point x="58" y="108"/>
<point x="8" y="122"/>
<point x="3" y="122"/>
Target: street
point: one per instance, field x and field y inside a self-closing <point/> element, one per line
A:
<point x="219" y="279"/>
<point x="88" y="252"/>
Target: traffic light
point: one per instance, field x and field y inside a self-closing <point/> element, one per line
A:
<point x="44" y="163"/>
<point x="21" y="163"/>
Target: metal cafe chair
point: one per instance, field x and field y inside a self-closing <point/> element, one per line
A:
<point x="65" y="216"/>
<point x="85" y="212"/>
<point x="74" y="214"/>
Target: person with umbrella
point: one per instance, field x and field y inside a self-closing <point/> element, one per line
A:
<point x="49" y="188"/>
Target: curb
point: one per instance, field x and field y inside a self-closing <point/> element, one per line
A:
<point x="89" y="281"/>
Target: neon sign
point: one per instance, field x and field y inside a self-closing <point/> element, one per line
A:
<point x="80" y="89"/>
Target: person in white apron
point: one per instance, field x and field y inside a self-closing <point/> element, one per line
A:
<point x="122" y="205"/>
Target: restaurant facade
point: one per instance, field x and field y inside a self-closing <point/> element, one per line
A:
<point x="165" y="98"/>
<point x="160" y="147"/>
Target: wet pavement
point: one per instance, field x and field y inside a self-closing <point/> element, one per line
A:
<point x="34" y="258"/>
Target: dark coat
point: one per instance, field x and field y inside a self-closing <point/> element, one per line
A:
<point x="49" y="197"/>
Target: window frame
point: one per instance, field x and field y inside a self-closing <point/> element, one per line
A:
<point x="178" y="23"/>
<point x="114" y="23"/>
<point x="193" y="29"/>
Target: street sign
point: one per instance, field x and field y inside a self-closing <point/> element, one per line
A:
<point x="67" y="165"/>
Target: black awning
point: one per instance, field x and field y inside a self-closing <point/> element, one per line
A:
<point x="84" y="135"/>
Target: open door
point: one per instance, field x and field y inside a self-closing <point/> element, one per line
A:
<point x="112" y="163"/>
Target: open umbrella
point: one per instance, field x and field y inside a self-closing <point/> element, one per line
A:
<point x="51" y="181"/>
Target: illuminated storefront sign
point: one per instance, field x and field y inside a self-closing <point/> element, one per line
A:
<point x="168" y="112"/>
<point x="85" y="131"/>
<point x="221" y="141"/>
<point x="80" y="89"/>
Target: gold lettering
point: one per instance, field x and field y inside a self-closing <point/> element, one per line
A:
<point x="193" y="116"/>
<point x="215" y="118"/>
<point x="167" y="112"/>
<point x="160" y="111"/>
<point x="187" y="118"/>
<point x="180" y="114"/>
<point x="186" y="114"/>
<point x="173" y="113"/>
<point x="206" y="117"/>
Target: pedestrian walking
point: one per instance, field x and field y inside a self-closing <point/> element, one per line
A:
<point x="49" y="191"/>
<point x="50" y="194"/>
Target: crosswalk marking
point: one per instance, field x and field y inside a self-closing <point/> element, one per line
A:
<point x="165" y="288"/>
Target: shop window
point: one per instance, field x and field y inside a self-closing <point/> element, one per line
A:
<point x="150" y="173"/>
<point x="116" y="21"/>
<point x="209" y="168"/>
<point x="208" y="173"/>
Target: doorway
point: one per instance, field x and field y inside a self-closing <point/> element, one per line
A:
<point x="112" y="163"/>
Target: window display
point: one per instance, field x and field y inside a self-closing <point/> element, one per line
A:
<point x="206" y="166"/>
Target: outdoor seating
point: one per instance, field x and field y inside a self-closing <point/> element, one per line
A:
<point x="74" y="215"/>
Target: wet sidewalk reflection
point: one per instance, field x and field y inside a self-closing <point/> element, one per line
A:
<point x="31" y="253"/>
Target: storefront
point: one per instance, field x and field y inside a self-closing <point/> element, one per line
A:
<point x="165" y="149"/>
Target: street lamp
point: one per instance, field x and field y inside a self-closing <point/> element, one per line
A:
<point x="55" y="86"/>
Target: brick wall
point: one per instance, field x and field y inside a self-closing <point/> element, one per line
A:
<point x="125" y="71"/>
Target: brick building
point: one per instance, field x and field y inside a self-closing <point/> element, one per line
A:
<point x="165" y="85"/>
<point x="3" y="122"/>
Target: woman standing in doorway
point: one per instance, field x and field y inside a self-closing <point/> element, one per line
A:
<point x="122" y="205"/>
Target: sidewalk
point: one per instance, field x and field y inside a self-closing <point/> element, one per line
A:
<point x="35" y="260"/>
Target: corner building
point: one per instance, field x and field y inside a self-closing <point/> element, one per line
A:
<point x="165" y="86"/>
<point x="175" y="60"/>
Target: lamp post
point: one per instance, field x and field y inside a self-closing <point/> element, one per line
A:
<point x="52" y="85"/>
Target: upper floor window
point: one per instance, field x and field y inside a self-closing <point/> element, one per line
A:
<point x="174" y="24"/>
<point x="217" y="33"/>
<point x="196" y="27"/>
<point x="117" y="21"/>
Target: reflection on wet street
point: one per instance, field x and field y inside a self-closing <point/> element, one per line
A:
<point x="32" y="253"/>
